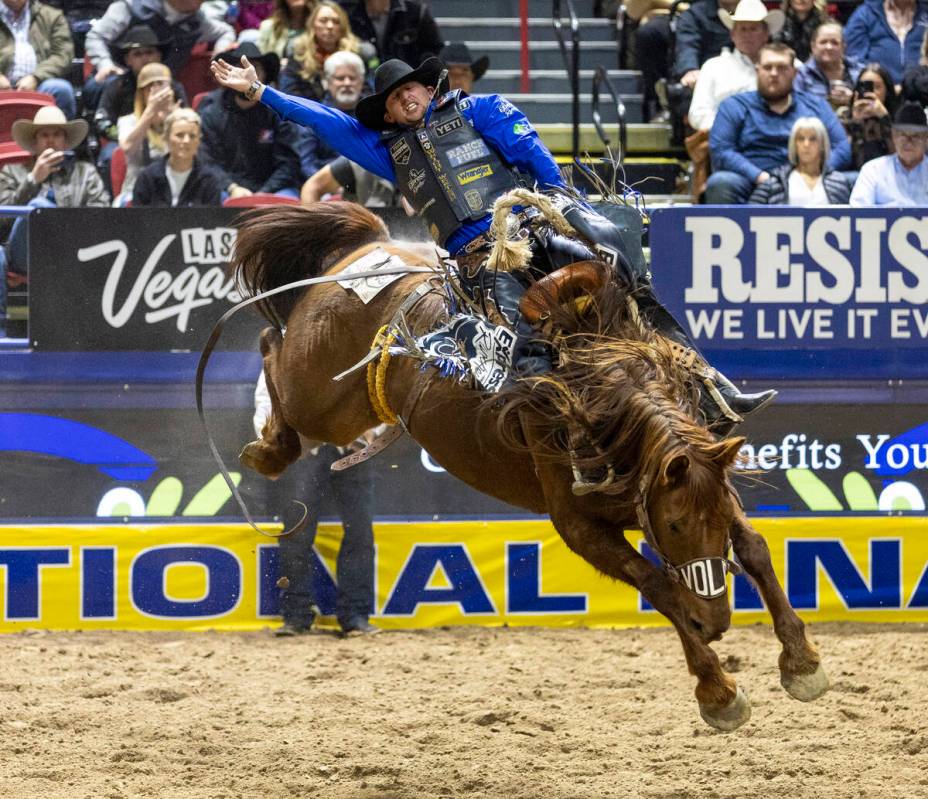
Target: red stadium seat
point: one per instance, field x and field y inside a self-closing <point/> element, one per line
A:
<point x="12" y="153"/>
<point x="260" y="198"/>
<point x="195" y="75"/>
<point x="19" y="105"/>
<point x="197" y="99"/>
<point x="117" y="170"/>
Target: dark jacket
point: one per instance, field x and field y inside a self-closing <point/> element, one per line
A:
<point x="869" y="38"/>
<point x="797" y="33"/>
<point x="118" y="99"/>
<point x="411" y="32"/>
<point x="203" y="186"/>
<point x="291" y="82"/>
<point x="254" y="148"/>
<point x="700" y="36"/>
<point x="775" y="190"/>
<point x="870" y="138"/>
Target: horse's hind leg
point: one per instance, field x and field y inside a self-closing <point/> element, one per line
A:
<point x="279" y="445"/>
<point x="801" y="672"/>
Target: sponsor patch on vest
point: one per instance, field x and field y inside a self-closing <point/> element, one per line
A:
<point x="400" y="152"/>
<point x="467" y="152"/>
<point x="474" y="173"/>
<point x="474" y="200"/>
<point x="423" y="136"/>
<point x="446" y="127"/>
<point x="416" y="180"/>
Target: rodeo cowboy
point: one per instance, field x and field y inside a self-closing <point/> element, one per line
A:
<point x="452" y="158"/>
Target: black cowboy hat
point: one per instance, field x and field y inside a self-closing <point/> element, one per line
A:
<point x="390" y="75"/>
<point x="910" y="118"/>
<point x="270" y="61"/>
<point x="459" y="53"/>
<point x="137" y="36"/>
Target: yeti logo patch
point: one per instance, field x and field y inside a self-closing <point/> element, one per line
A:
<point x="446" y="127"/>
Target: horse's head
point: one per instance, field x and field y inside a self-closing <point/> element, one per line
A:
<point x="686" y="510"/>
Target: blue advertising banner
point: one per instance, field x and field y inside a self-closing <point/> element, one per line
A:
<point x="822" y="293"/>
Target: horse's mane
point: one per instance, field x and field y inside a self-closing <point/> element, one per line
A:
<point x="617" y="398"/>
<point x="285" y="243"/>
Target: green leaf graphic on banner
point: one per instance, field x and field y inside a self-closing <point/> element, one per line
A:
<point x="211" y="497"/>
<point x="812" y="490"/>
<point x="165" y="499"/>
<point x="858" y="493"/>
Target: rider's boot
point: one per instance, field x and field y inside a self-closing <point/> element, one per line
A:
<point x="721" y="403"/>
<point x="530" y="356"/>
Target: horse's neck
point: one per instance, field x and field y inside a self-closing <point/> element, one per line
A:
<point x="412" y="253"/>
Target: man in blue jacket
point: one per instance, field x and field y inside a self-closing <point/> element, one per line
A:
<point x="870" y="37"/>
<point x="750" y="135"/>
<point x="451" y="159"/>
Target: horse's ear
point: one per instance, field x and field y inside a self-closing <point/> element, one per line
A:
<point x="676" y="470"/>
<point x="730" y="449"/>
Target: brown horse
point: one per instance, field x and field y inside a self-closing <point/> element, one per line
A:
<point x="616" y="382"/>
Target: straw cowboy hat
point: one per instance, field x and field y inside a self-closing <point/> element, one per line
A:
<point x="753" y="11"/>
<point x="459" y="53"/>
<point x="389" y="76"/>
<point x="48" y="116"/>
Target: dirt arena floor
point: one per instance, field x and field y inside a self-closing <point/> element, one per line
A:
<point x="455" y="712"/>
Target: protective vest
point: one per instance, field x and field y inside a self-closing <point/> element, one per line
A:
<point x="446" y="170"/>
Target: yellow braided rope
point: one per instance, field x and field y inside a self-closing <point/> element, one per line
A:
<point x="377" y="376"/>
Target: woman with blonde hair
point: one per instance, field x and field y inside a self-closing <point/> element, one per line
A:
<point x="141" y="133"/>
<point x="277" y="33"/>
<point x="327" y="31"/>
<point x="806" y="180"/>
<point x="179" y="178"/>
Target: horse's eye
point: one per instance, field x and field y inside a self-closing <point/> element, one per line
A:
<point x="673" y="528"/>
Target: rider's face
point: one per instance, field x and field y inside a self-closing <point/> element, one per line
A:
<point x="406" y="104"/>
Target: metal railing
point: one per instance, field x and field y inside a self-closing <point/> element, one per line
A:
<point x="571" y="61"/>
<point x="601" y="78"/>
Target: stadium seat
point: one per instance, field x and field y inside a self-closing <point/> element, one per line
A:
<point x="197" y="99"/>
<point x="195" y="75"/>
<point x="12" y="153"/>
<point x="260" y="198"/>
<point x="19" y="105"/>
<point x="117" y="170"/>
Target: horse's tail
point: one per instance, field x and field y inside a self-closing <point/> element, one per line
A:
<point x="285" y="243"/>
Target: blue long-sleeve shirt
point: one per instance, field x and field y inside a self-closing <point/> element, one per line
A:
<point x="503" y="126"/>
<point x="869" y="38"/>
<point x="748" y="138"/>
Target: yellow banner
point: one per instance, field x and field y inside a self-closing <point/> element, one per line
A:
<point x="201" y="576"/>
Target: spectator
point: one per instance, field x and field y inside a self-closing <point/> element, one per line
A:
<point x="288" y="20"/>
<point x="899" y="180"/>
<point x="889" y="32"/>
<point x="915" y="82"/>
<point x="36" y="51"/>
<point x="53" y="179"/>
<point x="244" y="141"/>
<point x="463" y="71"/>
<point x="247" y="16"/>
<point x="701" y="35"/>
<point x="179" y="178"/>
<point x="806" y="180"/>
<point x="751" y="131"/>
<point x="344" y="86"/>
<point x="353" y="182"/>
<point x="827" y="72"/>
<point x="327" y="31"/>
<point x="403" y="29"/>
<point x="351" y="493"/>
<point x="141" y="133"/>
<point x="873" y="106"/>
<point x="178" y="24"/>
<point x="734" y="70"/>
<point x="802" y="19"/>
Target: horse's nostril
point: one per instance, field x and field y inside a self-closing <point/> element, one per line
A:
<point x="696" y="624"/>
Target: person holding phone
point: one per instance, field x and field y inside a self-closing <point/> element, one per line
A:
<point x="53" y="178"/>
<point x="868" y="119"/>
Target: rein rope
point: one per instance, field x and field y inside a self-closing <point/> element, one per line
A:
<point x="377" y="376"/>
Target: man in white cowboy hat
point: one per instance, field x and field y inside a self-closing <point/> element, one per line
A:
<point x="53" y="179"/>
<point x="735" y="70"/>
<point x="899" y="180"/>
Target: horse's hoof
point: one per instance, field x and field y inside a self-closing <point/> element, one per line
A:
<point x="254" y="456"/>
<point x="805" y="687"/>
<point x="730" y="717"/>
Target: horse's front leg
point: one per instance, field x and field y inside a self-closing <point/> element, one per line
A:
<point x="722" y="703"/>
<point x="801" y="672"/>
